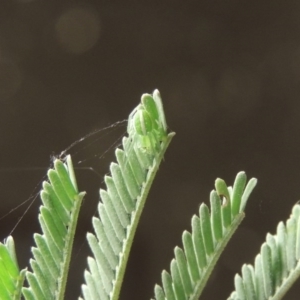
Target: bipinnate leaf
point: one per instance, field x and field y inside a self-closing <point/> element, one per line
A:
<point x="211" y="231"/>
<point x="124" y="197"/>
<point x="276" y="267"/>
<point x="58" y="218"/>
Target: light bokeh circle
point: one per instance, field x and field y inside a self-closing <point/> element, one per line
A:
<point x="77" y="29"/>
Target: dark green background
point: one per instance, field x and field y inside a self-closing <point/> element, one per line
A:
<point x="229" y="74"/>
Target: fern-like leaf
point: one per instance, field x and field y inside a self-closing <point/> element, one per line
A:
<point x="12" y="278"/>
<point x="211" y="231"/>
<point x="124" y="198"/>
<point x="277" y="266"/>
<point x="58" y="219"/>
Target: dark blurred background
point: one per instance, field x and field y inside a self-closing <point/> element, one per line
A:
<point x="229" y="74"/>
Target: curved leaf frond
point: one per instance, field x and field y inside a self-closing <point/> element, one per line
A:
<point x="58" y="218"/>
<point x="124" y="198"/>
<point x="276" y="267"/>
<point x="211" y="231"/>
<point x="11" y="279"/>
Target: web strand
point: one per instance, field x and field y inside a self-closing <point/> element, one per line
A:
<point x="31" y="199"/>
<point x="114" y="125"/>
<point x="25" y="212"/>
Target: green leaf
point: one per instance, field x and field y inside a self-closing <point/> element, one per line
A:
<point x="58" y="219"/>
<point x="211" y="232"/>
<point x="223" y="192"/>
<point x="12" y="278"/>
<point x="124" y="198"/>
<point x="168" y="285"/>
<point x="237" y="192"/>
<point x="276" y="267"/>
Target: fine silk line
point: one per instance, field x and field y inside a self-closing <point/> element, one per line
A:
<point x="114" y="125"/>
<point x="34" y="195"/>
<point x="115" y="145"/>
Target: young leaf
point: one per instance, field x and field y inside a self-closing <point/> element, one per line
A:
<point x="124" y="198"/>
<point x="11" y="277"/>
<point x="58" y="219"/>
<point x="276" y="267"/>
<point x="211" y="232"/>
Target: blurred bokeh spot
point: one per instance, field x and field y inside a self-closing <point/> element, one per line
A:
<point x="77" y="29"/>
